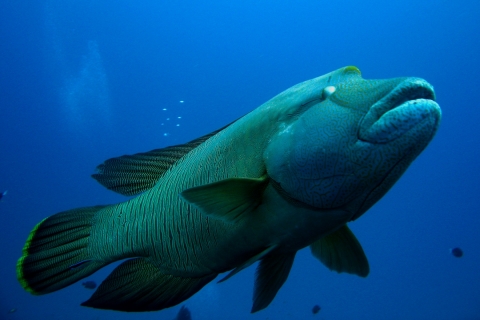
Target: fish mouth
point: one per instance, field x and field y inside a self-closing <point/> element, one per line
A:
<point x="410" y="103"/>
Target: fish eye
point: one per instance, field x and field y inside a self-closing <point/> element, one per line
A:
<point x="327" y="92"/>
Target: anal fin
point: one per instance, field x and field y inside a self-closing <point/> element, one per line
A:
<point x="271" y="274"/>
<point x="340" y="251"/>
<point x="138" y="285"/>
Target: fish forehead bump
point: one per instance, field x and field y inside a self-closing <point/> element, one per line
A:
<point x="292" y="99"/>
<point x="329" y="79"/>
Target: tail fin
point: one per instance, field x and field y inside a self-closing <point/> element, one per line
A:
<point x="55" y="254"/>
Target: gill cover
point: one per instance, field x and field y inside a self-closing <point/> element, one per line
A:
<point x="299" y="156"/>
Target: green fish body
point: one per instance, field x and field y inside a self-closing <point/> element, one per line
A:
<point x="290" y="174"/>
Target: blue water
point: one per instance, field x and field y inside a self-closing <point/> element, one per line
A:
<point x="84" y="81"/>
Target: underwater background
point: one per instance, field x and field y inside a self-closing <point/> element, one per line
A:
<point x="85" y="81"/>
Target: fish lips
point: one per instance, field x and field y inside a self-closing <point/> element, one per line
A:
<point x="408" y="105"/>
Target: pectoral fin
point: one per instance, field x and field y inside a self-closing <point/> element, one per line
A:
<point x="138" y="285"/>
<point x="340" y="251"/>
<point x="229" y="199"/>
<point x="271" y="274"/>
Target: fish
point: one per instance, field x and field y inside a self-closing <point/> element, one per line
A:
<point x="293" y="173"/>
<point x="456" y="252"/>
<point x="183" y="314"/>
<point x="316" y="309"/>
<point x="3" y="194"/>
<point x="89" y="284"/>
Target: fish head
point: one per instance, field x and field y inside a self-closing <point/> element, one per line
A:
<point x="341" y="141"/>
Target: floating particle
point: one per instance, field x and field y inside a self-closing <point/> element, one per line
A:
<point x="181" y="101"/>
<point x="179" y="117"/>
<point x="457" y="252"/>
<point x="164" y="109"/>
<point x="168" y="119"/>
<point x="178" y="125"/>
<point x="166" y="134"/>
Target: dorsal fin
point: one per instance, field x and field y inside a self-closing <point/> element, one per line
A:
<point x="132" y="174"/>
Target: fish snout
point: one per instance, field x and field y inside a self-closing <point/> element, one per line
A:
<point x="408" y="105"/>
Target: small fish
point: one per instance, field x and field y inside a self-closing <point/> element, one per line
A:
<point x="316" y="308"/>
<point x="457" y="252"/>
<point x="89" y="284"/>
<point x="3" y="194"/>
<point x="183" y="314"/>
<point x="12" y="310"/>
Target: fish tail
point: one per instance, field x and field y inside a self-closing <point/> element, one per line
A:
<point x="55" y="254"/>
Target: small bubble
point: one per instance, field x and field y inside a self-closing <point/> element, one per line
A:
<point x="164" y="109"/>
<point x="181" y="101"/>
<point x="166" y="134"/>
<point x="179" y="117"/>
<point x="178" y="125"/>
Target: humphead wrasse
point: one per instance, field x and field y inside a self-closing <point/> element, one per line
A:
<point x="290" y="174"/>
